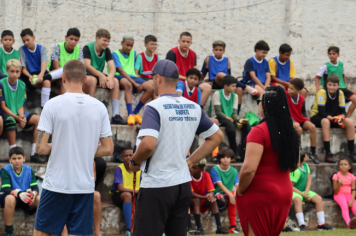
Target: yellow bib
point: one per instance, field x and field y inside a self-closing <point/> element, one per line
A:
<point x="127" y="178"/>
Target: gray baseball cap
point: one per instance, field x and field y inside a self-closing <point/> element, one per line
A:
<point x="165" y="68"/>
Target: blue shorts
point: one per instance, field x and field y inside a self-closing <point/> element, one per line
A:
<point x="138" y="80"/>
<point x="58" y="209"/>
<point x="19" y="204"/>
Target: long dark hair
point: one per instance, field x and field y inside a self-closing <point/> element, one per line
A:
<point x="284" y="138"/>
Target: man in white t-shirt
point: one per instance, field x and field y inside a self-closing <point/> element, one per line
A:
<point x="76" y="122"/>
<point x="168" y="128"/>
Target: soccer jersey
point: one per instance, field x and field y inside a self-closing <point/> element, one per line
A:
<point x="297" y="108"/>
<point x="259" y="67"/>
<point x="145" y="63"/>
<point x="184" y="63"/>
<point x="214" y="66"/>
<point x="329" y="69"/>
<point x="203" y="185"/>
<point x="229" y="178"/>
<point x="122" y="176"/>
<point x="300" y="176"/>
<point x="191" y="94"/>
<point x="14" y="95"/>
<point x="5" y="56"/>
<point x="325" y="104"/>
<point x="32" y="59"/>
<point x="126" y="61"/>
<point x="223" y="106"/>
<point x="96" y="61"/>
<point x="61" y="54"/>
<point x="283" y="71"/>
<point x="23" y="181"/>
<point x="76" y="122"/>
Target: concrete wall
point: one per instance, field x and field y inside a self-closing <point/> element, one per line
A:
<point x="308" y="26"/>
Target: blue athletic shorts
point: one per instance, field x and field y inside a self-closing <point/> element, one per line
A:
<point x="58" y="209"/>
<point x="138" y="80"/>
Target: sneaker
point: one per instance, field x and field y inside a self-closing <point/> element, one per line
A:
<point x="325" y="227"/>
<point x="138" y="119"/>
<point x="128" y="233"/>
<point x="329" y="158"/>
<point x="314" y="157"/>
<point x="221" y="230"/>
<point x="353" y="157"/>
<point x="37" y="159"/>
<point x="117" y="120"/>
<point x="352" y="223"/>
<point x="193" y="231"/>
<point x="234" y="230"/>
<point x="287" y="229"/>
<point x="201" y="231"/>
<point x="302" y="228"/>
<point x="131" y="120"/>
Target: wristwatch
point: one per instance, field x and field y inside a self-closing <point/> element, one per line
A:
<point x="133" y="163"/>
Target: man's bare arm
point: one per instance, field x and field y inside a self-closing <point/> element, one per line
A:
<point x="42" y="145"/>
<point x="105" y="148"/>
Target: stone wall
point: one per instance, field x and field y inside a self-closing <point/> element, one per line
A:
<point x="308" y="26"/>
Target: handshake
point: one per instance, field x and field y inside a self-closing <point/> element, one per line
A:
<point x="239" y="122"/>
<point x="339" y="120"/>
<point x="27" y="196"/>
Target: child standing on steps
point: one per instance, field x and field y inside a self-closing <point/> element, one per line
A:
<point x="345" y="191"/>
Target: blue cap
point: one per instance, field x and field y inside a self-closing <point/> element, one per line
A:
<point x="164" y="68"/>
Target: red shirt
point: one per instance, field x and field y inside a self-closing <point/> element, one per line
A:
<point x="295" y="109"/>
<point x="148" y="65"/>
<point x="203" y="185"/>
<point x="184" y="63"/>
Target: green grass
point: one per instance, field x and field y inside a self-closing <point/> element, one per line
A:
<point x="338" y="232"/>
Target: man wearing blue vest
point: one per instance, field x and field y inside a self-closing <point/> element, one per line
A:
<point x="19" y="186"/>
<point x="168" y="128"/>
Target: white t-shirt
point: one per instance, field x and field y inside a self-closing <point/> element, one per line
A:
<point x="76" y="123"/>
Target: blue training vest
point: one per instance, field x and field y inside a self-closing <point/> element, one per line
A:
<point x="260" y="71"/>
<point x="21" y="182"/>
<point x="218" y="66"/>
<point x="33" y="58"/>
<point x="283" y="71"/>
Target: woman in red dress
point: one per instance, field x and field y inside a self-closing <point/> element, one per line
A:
<point x="264" y="194"/>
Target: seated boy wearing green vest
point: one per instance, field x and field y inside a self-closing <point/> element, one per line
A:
<point x="95" y="56"/>
<point x="301" y="182"/>
<point x="124" y="60"/>
<point x="226" y="179"/>
<point x="336" y="67"/>
<point x="63" y="52"/>
<point x="7" y="52"/>
<point x="122" y="188"/>
<point x="12" y="98"/>
<point x="18" y="182"/>
<point x="224" y="108"/>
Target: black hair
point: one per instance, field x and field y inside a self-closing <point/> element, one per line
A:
<point x="193" y="71"/>
<point x="333" y="78"/>
<point x="225" y="152"/>
<point x="26" y="31"/>
<point x="334" y="48"/>
<point x="302" y="155"/>
<point x="297" y="83"/>
<point x="186" y="34"/>
<point x="284" y="138"/>
<point x="228" y="79"/>
<point x="17" y="151"/>
<point x="219" y="43"/>
<point x="346" y="159"/>
<point x="7" y="33"/>
<point x="150" y="38"/>
<point x="261" y="45"/>
<point x="285" y="48"/>
<point x="73" y="31"/>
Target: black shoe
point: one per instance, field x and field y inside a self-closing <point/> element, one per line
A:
<point x="329" y="158"/>
<point x="287" y="229"/>
<point x="314" y="157"/>
<point x="117" y="120"/>
<point x="353" y="157"/>
<point x="221" y="230"/>
<point x="37" y="159"/>
<point x="302" y="228"/>
<point x="201" y="231"/>
<point x="325" y="227"/>
<point x="193" y="231"/>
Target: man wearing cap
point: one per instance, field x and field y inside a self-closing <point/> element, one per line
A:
<point x="168" y="128"/>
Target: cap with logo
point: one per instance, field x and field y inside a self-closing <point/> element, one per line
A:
<point x="165" y="68"/>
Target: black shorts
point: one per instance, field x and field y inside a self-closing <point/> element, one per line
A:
<point x="347" y="93"/>
<point x="216" y="86"/>
<point x="116" y="198"/>
<point x="10" y="122"/>
<point x="316" y="120"/>
<point x="161" y="210"/>
<point x="25" y="79"/>
<point x="19" y="204"/>
<point x="97" y="78"/>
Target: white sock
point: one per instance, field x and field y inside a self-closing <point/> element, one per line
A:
<point x="33" y="149"/>
<point x="321" y="218"/>
<point x="250" y="90"/>
<point x="12" y="146"/>
<point x="300" y="218"/>
<point x="115" y="103"/>
<point x="57" y="74"/>
<point x="45" y="96"/>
